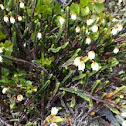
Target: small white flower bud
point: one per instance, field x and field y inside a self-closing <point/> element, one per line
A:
<point x="114" y="31"/>
<point x="21" y="5"/>
<point x="19" y="97"/>
<point x="12" y="20"/>
<point x="90" y="21"/>
<point x="1" y="6"/>
<point x="91" y="55"/>
<point x="77" y="61"/>
<point x="5" y="90"/>
<point x="1" y="59"/>
<point x="6" y="19"/>
<point x="81" y="66"/>
<point x="94" y="28"/>
<point x="61" y="20"/>
<point x="88" y="40"/>
<point x="87" y="32"/>
<point x="54" y="111"/>
<point x="116" y="50"/>
<point x="19" y="18"/>
<point x="77" y="29"/>
<point x="73" y="16"/>
<point x="1" y="50"/>
<point x="53" y="124"/>
<point x="94" y="66"/>
<point x="39" y="35"/>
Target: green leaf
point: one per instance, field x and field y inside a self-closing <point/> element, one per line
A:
<point x="84" y="3"/>
<point x="57" y="8"/>
<point x="81" y="76"/>
<point x="95" y="86"/>
<point x="119" y="90"/>
<point x="5" y="72"/>
<point x="2" y="36"/>
<point x="113" y="109"/>
<point x="67" y="77"/>
<point x="113" y="62"/>
<point x="55" y="119"/>
<point x="73" y="101"/>
<point x="78" y="93"/>
<point x="74" y="8"/>
<point x="102" y="86"/>
<point x="85" y="11"/>
<point x="99" y="7"/>
<point x="86" y="78"/>
<point x="55" y="50"/>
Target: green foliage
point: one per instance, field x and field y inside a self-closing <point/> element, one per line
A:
<point x="38" y="56"/>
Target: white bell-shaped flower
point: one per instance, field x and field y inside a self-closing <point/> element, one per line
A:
<point x="19" y="18"/>
<point x="73" y="16"/>
<point x="39" y="35"/>
<point x="1" y="50"/>
<point x="116" y="50"/>
<point x="95" y="66"/>
<point x="90" y="21"/>
<point x="21" y="5"/>
<point x="91" y="55"/>
<point x="6" y="19"/>
<point x="81" y="66"/>
<point x="19" y="97"/>
<point x="54" y="111"/>
<point x="1" y="6"/>
<point x="88" y="40"/>
<point x="77" y="61"/>
<point x="94" y="28"/>
<point x="4" y="90"/>
<point x="114" y="31"/>
<point x="61" y="20"/>
<point x="53" y="124"/>
<point x="12" y="20"/>
<point x="1" y="59"/>
<point x="77" y="29"/>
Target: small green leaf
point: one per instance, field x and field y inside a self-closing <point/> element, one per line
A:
<point x="73" y="101"/>
<point x="2" y="36"/>
<point x="113" y="62"/>
<point x="74" y="8"/>
<point x="85" y="11"/>
<point x="55" y="50"/>
<point x="78" y="93"/>
<point x="84" y="3"/>
<point x="95" y="86"/>
<point x="57" y="119"/>
<point x="113" y="109"/>
<point x="99" y="7"/>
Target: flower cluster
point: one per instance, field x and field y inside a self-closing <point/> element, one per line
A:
<point x="116" y="29"/>
<point x="6" y="18"/>
<point x="81" y="65"/>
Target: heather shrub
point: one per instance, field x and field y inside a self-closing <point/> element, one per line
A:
<point x="52" y="55"/>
